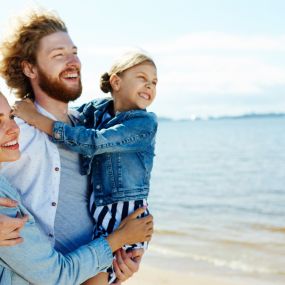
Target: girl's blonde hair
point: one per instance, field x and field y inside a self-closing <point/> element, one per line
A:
<point x="123" y="63"/>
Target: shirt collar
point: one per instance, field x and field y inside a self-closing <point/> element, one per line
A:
<point x="71" y="112"/>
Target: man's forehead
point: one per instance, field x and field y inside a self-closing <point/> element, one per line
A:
<point x="55" y="41"/>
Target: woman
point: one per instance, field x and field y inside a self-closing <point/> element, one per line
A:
<point x="34" y="260"/>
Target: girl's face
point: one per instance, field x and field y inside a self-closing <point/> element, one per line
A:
<point x="9" y="133"/>
<point x="136" y="88"/>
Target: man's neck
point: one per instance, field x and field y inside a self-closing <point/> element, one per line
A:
<point x="57" y="108"/>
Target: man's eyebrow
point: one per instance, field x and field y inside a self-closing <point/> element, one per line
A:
<point x="61" y="48"/>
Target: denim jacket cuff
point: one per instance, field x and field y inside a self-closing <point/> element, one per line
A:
<point x="103" y="252"/>
<point x="58" y="132"/>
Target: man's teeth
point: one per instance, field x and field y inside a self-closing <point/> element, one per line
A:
<point x="10" y="143"/>
<point x="71" y="75"/>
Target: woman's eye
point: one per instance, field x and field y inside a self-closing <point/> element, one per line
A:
<point x="12" y="116"/>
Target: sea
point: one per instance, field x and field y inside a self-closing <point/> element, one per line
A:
<point x="218" y="198"/>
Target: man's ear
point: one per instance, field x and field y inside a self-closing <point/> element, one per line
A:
<point x="115" y="82"/>
<point x="29" y="69"/>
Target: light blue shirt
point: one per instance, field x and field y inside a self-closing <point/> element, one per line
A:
<point x="36" y="174"/>
<point x="72" y="231"/>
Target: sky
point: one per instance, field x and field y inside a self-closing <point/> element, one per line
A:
<point x="214" y="57"/>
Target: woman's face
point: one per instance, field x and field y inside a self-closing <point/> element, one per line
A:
<point x="9" y="133"/>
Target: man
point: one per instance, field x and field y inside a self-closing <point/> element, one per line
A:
<point x="41" y="61"/>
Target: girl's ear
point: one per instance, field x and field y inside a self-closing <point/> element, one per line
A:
<point x="115" y="82"/>
<point x="29" y="69"/>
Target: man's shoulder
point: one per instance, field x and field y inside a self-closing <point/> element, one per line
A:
<point x="30" y="137"/>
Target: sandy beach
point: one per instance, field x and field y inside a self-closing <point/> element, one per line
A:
<point x="149" y="275"/>
<point x="160" y="270"/>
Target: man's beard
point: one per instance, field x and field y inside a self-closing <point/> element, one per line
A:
<point x="58" y="90"/>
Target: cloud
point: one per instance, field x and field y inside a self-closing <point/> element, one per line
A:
<point x="212" y="63"/>
<point x="216" y="63"/>
<point x="218" y="74"/>
<point x="214" y="41"/>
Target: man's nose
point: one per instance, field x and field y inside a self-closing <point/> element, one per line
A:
<point x="73" y="60"/>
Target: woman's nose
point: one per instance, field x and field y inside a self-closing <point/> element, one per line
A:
<point x="13" y="128"/>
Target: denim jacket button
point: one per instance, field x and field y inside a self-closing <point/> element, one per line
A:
<point x="101" y="201"/>
<point x="98" y="186"/>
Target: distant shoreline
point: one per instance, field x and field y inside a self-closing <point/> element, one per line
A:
<point x="227" y="117"/>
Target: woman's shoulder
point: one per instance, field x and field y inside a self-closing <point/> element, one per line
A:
<point x="4" y="183"/>
<point x="7" y="189"/>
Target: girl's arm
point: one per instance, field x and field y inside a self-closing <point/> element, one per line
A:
<point x="27" y="111"/>
<point x="135" y="133"/>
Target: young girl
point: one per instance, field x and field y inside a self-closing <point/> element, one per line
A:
<point x="116" y="140"/>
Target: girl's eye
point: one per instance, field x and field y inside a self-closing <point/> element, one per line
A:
<point x="58" y="55"/>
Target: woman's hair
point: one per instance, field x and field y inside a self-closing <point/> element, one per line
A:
<point x="22" y="45"/>
<point x="123" y="63"/>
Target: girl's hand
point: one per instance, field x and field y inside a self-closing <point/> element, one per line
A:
<point x="132" y="230"/>
<point x="26" y="110"/>
<point x="137" y="230"/>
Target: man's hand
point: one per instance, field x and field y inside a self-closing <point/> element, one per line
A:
<point x="10" y="227"/>
<point x="126" y="264"/>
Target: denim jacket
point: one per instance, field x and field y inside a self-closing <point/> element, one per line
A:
<point x="35" y="261"/>
<point x="120" y="150"/>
